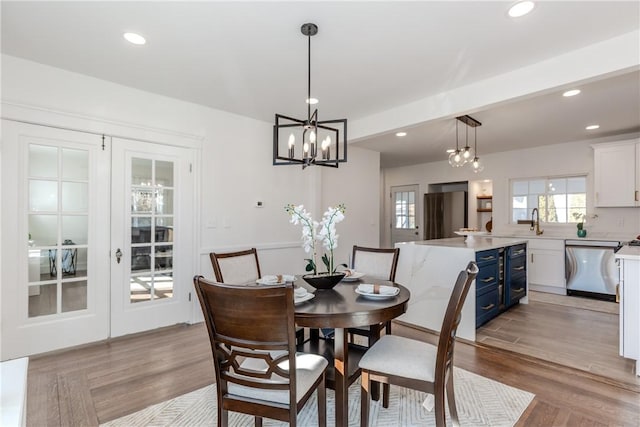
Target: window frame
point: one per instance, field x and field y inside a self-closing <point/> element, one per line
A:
<point x="543" y="215"/>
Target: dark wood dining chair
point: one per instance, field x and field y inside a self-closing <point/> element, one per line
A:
<point x="418" y="365"/>
<point x="241" y="268"/>
<point x="376" y="263"/>
<point x="252" y="334"/>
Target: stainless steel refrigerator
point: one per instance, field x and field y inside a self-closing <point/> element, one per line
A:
<point x="444" y="213"/>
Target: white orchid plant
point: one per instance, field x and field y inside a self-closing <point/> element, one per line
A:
<point x="312" y="231"/>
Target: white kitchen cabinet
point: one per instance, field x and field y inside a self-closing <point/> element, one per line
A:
<point x="629" y="290"/>
<point x="617" y="174"/>
<point x="546" y="266"/>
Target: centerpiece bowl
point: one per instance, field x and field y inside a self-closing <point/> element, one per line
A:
<point x="324" y="280"/>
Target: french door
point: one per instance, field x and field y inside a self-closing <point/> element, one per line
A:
<point x="55" y="205"/>
<point x="69" y="201"/>
<point x="152" y="234"/>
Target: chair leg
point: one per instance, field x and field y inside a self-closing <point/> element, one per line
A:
<point x="387" y="328"/>
<point x="258" y="421"/>
<point x="440" y="405"/>
<point x="223" y="416"/>
<point x="386" y="391"/>
<point x="300" y="336"/>
<point x="365" y="384"/>
<point x="322" y="404"/>
<point x="451" y="399"/>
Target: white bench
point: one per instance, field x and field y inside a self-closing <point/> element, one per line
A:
<point x="13" y="392"/>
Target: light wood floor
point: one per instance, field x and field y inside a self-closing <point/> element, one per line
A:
<point x="100" y="382"/>
<point x="556" y="331"/>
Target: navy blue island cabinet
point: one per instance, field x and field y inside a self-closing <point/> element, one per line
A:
<point x="501" y="281"/>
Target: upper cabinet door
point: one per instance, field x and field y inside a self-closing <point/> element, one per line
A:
<point x="615" y="178"/>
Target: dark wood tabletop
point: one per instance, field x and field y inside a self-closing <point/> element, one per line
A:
<point x="341" y="308"/>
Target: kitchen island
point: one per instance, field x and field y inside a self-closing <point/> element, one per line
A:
<point x="429" y="269"/>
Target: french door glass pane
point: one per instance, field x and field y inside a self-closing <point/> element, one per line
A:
<point x="43" y="195"/>
<point x="43" y="300"/>
<point x="43" y="230"/>
<point x="141" y="171"/>
<point x="74" y="296"/>
<point x="152" y="202"/>
<point x="75" y="196"/>
<point x="43" y="161"/>
<point x="75" y="164"/>
<point x="75" y="228"/>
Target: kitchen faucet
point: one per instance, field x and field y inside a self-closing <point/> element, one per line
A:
<point x="536" y="224"/>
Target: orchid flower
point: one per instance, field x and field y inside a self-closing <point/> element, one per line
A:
<point x="325" y="231"/>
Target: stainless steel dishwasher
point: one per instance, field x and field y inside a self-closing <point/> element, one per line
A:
<point x="591" y="268"/>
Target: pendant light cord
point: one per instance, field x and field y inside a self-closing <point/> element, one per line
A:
<point x="309" y="79"/>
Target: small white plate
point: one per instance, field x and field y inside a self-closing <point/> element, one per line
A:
<point x="269" y="281"/>
<point x="353" y="277"/>
<point x="302" y="299"/>
<point x="376" y="296"/>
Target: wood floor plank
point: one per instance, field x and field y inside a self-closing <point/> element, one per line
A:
<point x="42" y="399"/>
<point x="76" y="403"/>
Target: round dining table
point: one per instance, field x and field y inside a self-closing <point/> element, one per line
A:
<point x="341" y="308"/>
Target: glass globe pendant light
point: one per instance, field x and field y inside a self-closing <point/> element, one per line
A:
<point x="475" y="163"/>
<point x="467" y="152"/>
<point x="455" y="158"/>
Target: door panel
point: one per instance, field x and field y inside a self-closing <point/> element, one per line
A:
<point x="152" y="229"/>
<point x="55" y="283"/>
<point x="404" y="214"/>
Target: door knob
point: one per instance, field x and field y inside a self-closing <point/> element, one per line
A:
<point x="118" y="255"/>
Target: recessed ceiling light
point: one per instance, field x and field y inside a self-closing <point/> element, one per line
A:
<point x="312" y="101"/>
<point x="521" y="8"/>
<point x="450" y="150"/>
<point x="401" y="134"/>
<point x="134" y="38"/>
<point x="572" y="92"/>
<point x="592" y="127"/>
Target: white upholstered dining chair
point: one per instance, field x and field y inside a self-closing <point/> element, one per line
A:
<point x="376" y="263"/>
<point x="416" y="364"/>
<point x="241" y="268"/>
<point x="238" y="268"/>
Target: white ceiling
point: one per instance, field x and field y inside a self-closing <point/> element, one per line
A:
<point x="249" y="58"/>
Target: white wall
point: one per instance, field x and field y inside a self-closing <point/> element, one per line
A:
<point x="572" y="158"/>
<point x="235" y="161"/>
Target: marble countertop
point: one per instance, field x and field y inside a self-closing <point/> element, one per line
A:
<point x="629" y="252"/>
<point x="566" y="235"/>
<point x="479" y="243"/>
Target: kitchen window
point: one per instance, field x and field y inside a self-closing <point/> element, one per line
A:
<point x="559" y="200"/>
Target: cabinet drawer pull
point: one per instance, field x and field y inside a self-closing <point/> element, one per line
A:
<point x="487" y="258"/>
<point x="488" y="279"/>
<point x="635" y="195"/>
<point x="489" y="307"/>
<point x="519" y="268"/>
<point x="518" y="290"/>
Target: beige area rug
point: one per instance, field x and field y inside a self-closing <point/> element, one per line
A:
<point x="575" y="301"/>
<point x="480" y="402"/>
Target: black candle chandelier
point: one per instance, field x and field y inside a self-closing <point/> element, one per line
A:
<point x="310" y="141"/>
